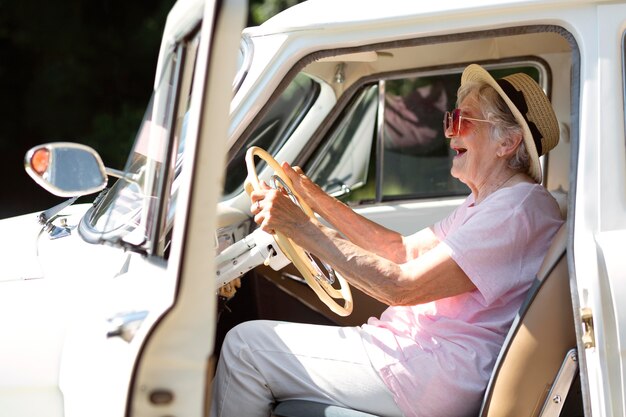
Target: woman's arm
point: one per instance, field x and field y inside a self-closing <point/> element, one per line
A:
<point x="358" y="229"/>
<point x="431" y="276"/>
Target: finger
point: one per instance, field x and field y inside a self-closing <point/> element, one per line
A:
<point x="262" y="221"/>
<point x="264" y="186"/>
<point x="296" y="169"/>
<point x="258" y="195"/>
<point x="293" y="175"/>
<point x="287" y="168"/>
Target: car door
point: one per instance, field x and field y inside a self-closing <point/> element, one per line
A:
<point x="599" y="227"/>
<point x="144" y="348"/>
<point x="172" y="373"/>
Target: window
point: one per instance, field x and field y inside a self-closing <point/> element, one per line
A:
<point x="341" y="165"/>
<point x="416" y="157"/>
<point x="389" y="143"/>
<point x="135" y="211"/>
<point x="274" y="128"/>
<point x="127" y="213"/>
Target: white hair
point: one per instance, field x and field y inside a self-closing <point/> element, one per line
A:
<point x="504" y="127"/>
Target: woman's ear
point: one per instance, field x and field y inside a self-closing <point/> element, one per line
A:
<point x="509" y="146"/>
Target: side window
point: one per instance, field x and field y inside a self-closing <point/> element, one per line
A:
<point x="416" y="156"/>
<point x="389" y="142"/>
<point x="342" y="164"/>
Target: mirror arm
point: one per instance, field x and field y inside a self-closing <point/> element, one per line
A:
<point x="111" y="172"/>
<point x="115" y="173"/>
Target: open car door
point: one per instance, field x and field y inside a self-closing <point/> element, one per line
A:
<point x="172" y="372"/>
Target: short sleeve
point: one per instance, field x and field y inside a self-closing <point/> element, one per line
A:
<point x="442" y="227"/>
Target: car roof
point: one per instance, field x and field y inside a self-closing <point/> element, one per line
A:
<point x="330" y="14"/>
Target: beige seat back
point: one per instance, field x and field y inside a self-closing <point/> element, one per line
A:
<point x="539" y="339"/>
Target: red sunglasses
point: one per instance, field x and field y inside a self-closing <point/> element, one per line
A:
<point x="453" y="120"/>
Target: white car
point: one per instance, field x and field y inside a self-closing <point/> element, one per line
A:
<point x="111" y="308"/>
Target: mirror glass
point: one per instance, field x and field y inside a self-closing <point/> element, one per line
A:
<point x="66" y="169"/>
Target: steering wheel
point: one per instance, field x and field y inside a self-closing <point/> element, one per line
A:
<point x="306" y="264"/>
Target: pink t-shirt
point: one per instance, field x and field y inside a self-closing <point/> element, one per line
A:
<point x="436" y="358"/>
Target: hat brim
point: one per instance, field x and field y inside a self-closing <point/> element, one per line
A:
<point x="475" y="72"/>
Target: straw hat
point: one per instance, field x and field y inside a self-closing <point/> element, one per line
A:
<point x="530" y="107"/>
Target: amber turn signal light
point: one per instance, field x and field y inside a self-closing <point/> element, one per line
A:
<point x="40" y="160"/>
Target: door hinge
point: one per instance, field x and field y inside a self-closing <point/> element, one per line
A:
<point x="589" y="338"/>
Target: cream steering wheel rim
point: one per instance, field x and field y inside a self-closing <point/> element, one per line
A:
<point x="326" y="292"/>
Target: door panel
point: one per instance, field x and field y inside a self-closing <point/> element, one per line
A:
<point x="600" y="214"/>
<point x="172" y="369"/>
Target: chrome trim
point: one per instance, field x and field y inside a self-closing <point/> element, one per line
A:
<point x="247" y="50"/>
<point x="380" y="144"/>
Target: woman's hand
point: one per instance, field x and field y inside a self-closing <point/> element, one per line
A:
<point x="274" y="211"/>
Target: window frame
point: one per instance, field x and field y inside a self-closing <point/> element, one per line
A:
<point x="623" y="53"/>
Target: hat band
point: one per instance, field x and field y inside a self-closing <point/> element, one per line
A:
<point x="518" y="99"/>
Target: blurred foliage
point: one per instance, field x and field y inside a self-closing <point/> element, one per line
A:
<point x="80" y="71"/>
<point x="68" y="67"/>
<point x="261" y="10"/>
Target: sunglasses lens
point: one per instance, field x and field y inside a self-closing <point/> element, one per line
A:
<point x="456" y="121"/>
<point x="452" y="123"/>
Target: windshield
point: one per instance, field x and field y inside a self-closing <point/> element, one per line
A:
<point x="122" y="214"/>
<point x="274" y="128"/>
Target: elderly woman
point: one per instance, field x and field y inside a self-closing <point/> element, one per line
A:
<point x="452" y="289"/>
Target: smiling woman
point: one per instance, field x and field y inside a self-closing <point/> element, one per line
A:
<point x="494" y="141"/>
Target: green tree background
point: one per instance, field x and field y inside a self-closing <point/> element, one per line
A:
<point x="81" y="71"/>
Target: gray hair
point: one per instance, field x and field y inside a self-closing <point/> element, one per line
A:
<point x="504" y="126"/>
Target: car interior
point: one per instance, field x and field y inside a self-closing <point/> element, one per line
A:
<point x="381" y="150"/>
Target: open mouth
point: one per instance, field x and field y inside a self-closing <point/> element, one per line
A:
<point x="459" y="151"/>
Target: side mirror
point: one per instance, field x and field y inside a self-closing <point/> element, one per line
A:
<point x="66" y="169"/>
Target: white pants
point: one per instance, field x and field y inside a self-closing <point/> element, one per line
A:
<point x="263" y="362"/>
